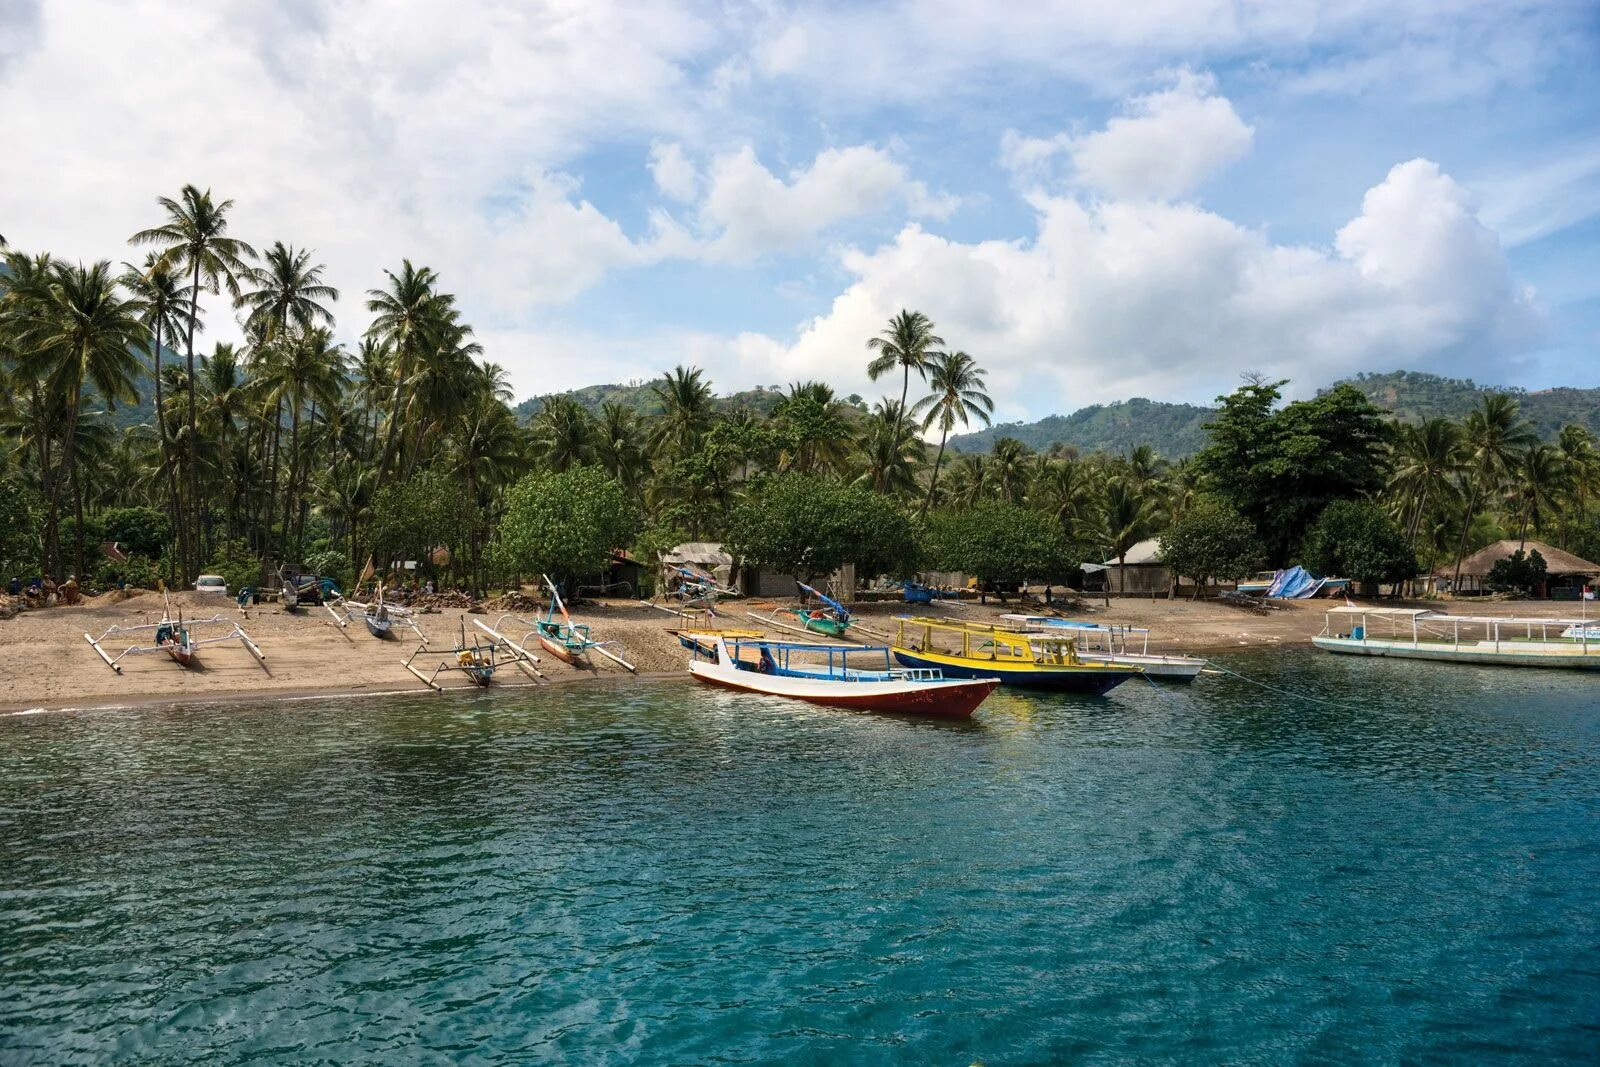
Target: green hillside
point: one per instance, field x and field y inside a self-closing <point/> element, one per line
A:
<point x="1171" y="429"/>
<point x="1175" y="430"/>
<point x="637" y="395"/>
<point x="1413" y="396"/>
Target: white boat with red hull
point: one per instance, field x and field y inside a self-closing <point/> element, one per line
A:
<point x="788" y="670"/>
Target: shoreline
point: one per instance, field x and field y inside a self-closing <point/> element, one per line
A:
<point x="47" y="666"/>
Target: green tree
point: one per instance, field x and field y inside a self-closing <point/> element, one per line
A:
<point x="1001" y="543"/>
<point x="194" y="239"/>
<point x="565" y="523"/>
<point x="956" y="398"/>
<point x="1517" y="573"/>
<point x="811" y="526"/>
<point x="21" y="515"/>
<point x="1355" y="539"/>
<point x="1124" y="519"/>
<point x="143" y="530"/>
<point x="1281" y="468"/>
<point x="907" y="343"/>
<point x="1495" y="434"/>
<point x="1210" y="541"/>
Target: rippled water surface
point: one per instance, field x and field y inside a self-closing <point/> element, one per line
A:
<point x="662" y="873"/>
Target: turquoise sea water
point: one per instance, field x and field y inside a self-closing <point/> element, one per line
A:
<point x="669" y="874"/>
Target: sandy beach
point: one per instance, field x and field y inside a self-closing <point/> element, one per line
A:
<point x="46" y="663"/>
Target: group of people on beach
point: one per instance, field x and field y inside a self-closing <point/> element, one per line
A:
<point x="43" y="592"/>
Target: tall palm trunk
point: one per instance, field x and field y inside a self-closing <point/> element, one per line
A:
<point x="168" y="471"/>
<point x="291" y="480"/>
<point x="933" y="483"/>
<point x="1466" y="528"/>
<point x="905" y="389"/>
<point x="77" y="514"/>
<point x="192" y="560"/>
<point x="67" y="473"/>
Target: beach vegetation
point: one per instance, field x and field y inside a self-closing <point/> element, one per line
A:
<point x="1210" y="541"/>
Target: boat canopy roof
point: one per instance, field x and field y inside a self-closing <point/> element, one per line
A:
<point x="1404" y="613"/>
<point x="1477" y="620"/>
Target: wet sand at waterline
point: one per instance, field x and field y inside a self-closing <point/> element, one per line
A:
<point x="45" y="661"/>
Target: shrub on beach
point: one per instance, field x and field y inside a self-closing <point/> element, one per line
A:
<point x="565" y="523"/>
<point x="1211" y="542"/>
<point x="1001" y="543"/>
<point x="1355" y="539"/>
<point x="806" y="525"/>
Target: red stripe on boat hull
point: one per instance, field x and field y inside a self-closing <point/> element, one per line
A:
<point x="947" y="701"/>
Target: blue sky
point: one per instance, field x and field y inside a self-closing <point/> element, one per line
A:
<point x="1096" y="201"/>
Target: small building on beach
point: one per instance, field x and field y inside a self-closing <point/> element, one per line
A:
<point x="1565" y="574"/>
<point x="1140" y="573"/>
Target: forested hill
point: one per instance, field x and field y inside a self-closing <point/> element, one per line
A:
<point x="1413" y="396"/>
<point x="1171" y="429"/>
<point x="639" y="397"/>
<point x="1175" y="430"/>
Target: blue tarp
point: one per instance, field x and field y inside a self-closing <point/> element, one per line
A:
<point x="1296" y="583"/>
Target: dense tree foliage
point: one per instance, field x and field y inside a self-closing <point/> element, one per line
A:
<point x="565" y="523"/>
<point x="809" y="526"/>
<point x="1002" y="543"/>
<point x="1280" y="467"/>
<point x="303" y="439"/>
<point x="1211" y="541"/>
<point x="1520" y="572"/>
<point x="1355" y="539"/>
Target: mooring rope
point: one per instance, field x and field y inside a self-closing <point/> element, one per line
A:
<point x="1214" y="665"/>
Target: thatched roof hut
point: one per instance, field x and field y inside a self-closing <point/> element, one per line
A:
<point x="1563" y="568"/>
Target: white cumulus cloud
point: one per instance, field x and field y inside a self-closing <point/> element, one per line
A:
<point x="751" y="211"/>
<point x="1116" y="298"/>
<point x="1167" y="144"/>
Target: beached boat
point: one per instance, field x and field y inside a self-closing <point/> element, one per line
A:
<point x="562" y="638"/>
<point x="1033" y="661"/>
<point x="1111" y="642"/>
<point x="378" y="615"/>
<point x="176" y="637"/>
<point x="828" y="675"/>
<point x="477" y="661"/>
<point x="831" y="618"/>
<point x="1420" y="633"/>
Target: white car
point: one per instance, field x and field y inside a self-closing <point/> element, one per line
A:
<point x="211" y="583"/>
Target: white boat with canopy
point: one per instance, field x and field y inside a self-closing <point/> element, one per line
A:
<point x="1422" y="633"/>
<point x="1113" y="642"/>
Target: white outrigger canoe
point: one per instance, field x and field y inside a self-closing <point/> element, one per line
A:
<point x="835" y="682"/>
<point x="1421" y="633"/>
<point x="1109" y="642"/>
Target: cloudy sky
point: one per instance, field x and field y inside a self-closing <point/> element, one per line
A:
<point x="1096" y="199"/>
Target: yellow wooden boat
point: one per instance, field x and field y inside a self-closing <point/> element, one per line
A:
<point x="1034" y="661"/>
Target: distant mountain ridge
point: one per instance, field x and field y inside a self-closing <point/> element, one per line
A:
<point x="1176" y="430"/>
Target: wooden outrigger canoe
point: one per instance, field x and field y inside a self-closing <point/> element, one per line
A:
<point x="175" y="637"/>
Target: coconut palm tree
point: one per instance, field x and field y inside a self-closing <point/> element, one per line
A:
<point x="168" y="307"/>
<point x="408" y="314"/>
<point x="1495" y="433"/>
<point x="956" y="397"/>
<point x="888" y="451"/>
<point x="617" y="447"/>
<point x="194" y="240"/>
<point x="1008" y="468"/>
<point x="1428" y="456"/>
<point x="1538" y="482"/>
<point x="287" y="290"/>
<point x="686" y="411"/>
<point x="79" y="330"/>
<point x="815" y="430"/>
<point x="1126" y="517"/>
<point x="1063" y="487"/>
<point x="908" y="342"/>
<point x="1582" y="457"/>
<point x="563" y="433"/>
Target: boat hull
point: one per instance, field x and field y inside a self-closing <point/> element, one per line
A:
<point x="1549" y="656"/>
<point x="1084" y="679"/>
<point x="826" y="627"/>
<point x="561" y="652"/>
<point x="375" y="626"/>
<point x="184" y="657"/>
<point x="941" y="700"/>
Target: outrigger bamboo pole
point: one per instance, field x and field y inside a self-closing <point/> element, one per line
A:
<point x="102" y="652"/>
<point x="524" y="658"/>
<point x="615" y="658"/>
